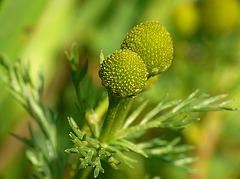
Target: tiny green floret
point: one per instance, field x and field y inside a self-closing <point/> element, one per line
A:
<point x="123" y="73"/>
<point x="152" y="42"/>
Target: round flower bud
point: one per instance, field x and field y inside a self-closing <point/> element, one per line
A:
<point x="123" y="73"/>
<point x="152" y="42"/>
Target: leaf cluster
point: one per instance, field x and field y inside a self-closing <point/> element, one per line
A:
<point x="173" y="115"/>
<point x="42" y="152"/>
<point x="87" y="146"/>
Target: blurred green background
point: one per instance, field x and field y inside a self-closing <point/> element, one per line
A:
<point x="206" y="35"/>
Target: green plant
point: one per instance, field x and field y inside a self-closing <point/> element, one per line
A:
<point x="43" y="146"/>
<point x="111" y="137"/>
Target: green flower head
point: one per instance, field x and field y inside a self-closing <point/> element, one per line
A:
<point x="123" y="73"/>
<point x="152" y="42"/>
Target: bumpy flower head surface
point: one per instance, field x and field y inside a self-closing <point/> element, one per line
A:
<point x="152" y="42"/>
<point x="123" y="73"/>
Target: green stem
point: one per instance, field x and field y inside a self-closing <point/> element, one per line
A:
<point x="117" y="111"/>
<point x="120" y="117"/>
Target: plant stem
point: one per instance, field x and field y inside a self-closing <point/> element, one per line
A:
<point x="117" y="111"/>
<point x="121" y="114"/>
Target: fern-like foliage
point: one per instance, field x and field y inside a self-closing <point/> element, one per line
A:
<point x="173" y="115"/>
<point x="195" y="102"/>
<point x="90" y="149"/>
<point x="93" y="152"/>
<point x="42" y="151"/>
<point x="87" y="146"/>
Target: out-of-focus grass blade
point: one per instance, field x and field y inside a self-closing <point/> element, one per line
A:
<point x="14" y="22"/>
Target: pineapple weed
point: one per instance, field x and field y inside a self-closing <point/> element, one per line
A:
<point x="112" y="136"/>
